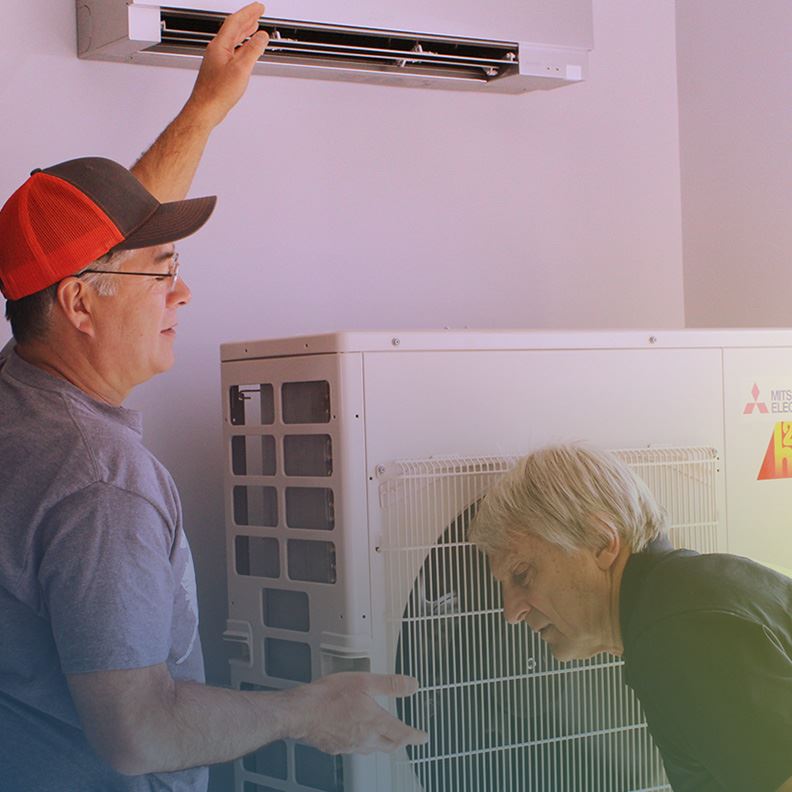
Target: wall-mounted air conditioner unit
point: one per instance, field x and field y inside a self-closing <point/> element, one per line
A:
<point x="504" y="46"/>
<point x="354" y="463"/>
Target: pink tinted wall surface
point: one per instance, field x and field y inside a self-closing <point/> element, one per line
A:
<point x="349" y="206"/>
<point x="735" y="103"/>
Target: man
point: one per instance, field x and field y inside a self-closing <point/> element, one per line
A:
<point x="577" y="544"/>
<point x="101" y="674"/>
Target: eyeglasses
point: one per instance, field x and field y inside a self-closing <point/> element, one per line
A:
<point x="172" y="273"/>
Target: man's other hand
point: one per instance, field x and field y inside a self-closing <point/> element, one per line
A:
<point x="228" y="63"/>
<point x="338" y="714"/>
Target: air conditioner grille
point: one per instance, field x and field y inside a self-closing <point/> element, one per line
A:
<point x="502" y="713"/>
<point x="189" y="32"/>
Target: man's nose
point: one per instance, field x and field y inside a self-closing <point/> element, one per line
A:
<point x="515" y="608"/>
<point x="181" y="293"/>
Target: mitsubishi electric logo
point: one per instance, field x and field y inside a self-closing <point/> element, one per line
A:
<point x="774" y="401"/>
<point x="755" y="404"/>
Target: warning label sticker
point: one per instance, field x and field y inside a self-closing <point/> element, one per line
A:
<point x="777" y="462"/>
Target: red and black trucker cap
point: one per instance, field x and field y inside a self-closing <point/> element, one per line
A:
<point x="64" y="217"/>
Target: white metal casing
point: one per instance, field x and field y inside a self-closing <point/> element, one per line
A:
<point x="553" y="39"/>
<point x="406" y="395"/>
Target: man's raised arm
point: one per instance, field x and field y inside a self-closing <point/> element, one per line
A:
<point x="167" y="169"/>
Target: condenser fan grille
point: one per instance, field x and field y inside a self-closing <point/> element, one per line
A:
<point x="501" y="712"/>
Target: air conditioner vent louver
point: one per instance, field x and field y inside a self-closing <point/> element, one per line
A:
<point x="301" y="43"/>
<point x="512" y="48"/>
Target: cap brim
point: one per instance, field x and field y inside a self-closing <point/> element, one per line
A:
<point x="170" y="222"/>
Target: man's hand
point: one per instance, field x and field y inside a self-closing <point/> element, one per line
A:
<point x="141" y="720"/>
<point x="338" y="714"/>
<point x="166" y="170"/>
<point x="228" y="63"/>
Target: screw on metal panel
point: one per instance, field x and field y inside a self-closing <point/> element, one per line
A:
<point x="652" y="339"/>
<point x="380" y="470"/>
<point x="395" y="341"/>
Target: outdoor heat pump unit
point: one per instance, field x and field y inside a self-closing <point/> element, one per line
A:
<point x="503" y="46"/>
<point x="354" y="464"/>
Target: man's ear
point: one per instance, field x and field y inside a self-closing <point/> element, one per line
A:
<point x="76" y="299"/>
<point x="610" y="546"/>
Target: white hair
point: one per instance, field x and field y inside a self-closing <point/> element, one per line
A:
<point x="112" y="261"/>
<point x="568" y="495"/>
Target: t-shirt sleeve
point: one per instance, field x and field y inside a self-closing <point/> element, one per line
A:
<point x="723" y="686"/>
<point x="106" y="580"/>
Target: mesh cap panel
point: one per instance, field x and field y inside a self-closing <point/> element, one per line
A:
<point x="62" y="231"/>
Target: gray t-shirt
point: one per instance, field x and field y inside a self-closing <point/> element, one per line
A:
<point x="95" y="574"/>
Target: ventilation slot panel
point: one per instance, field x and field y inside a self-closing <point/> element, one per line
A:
<point x="303" y="43"/>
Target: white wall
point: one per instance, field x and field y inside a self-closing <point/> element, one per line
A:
<point x="735" y="99"/>
<point x="347" y="206"/>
